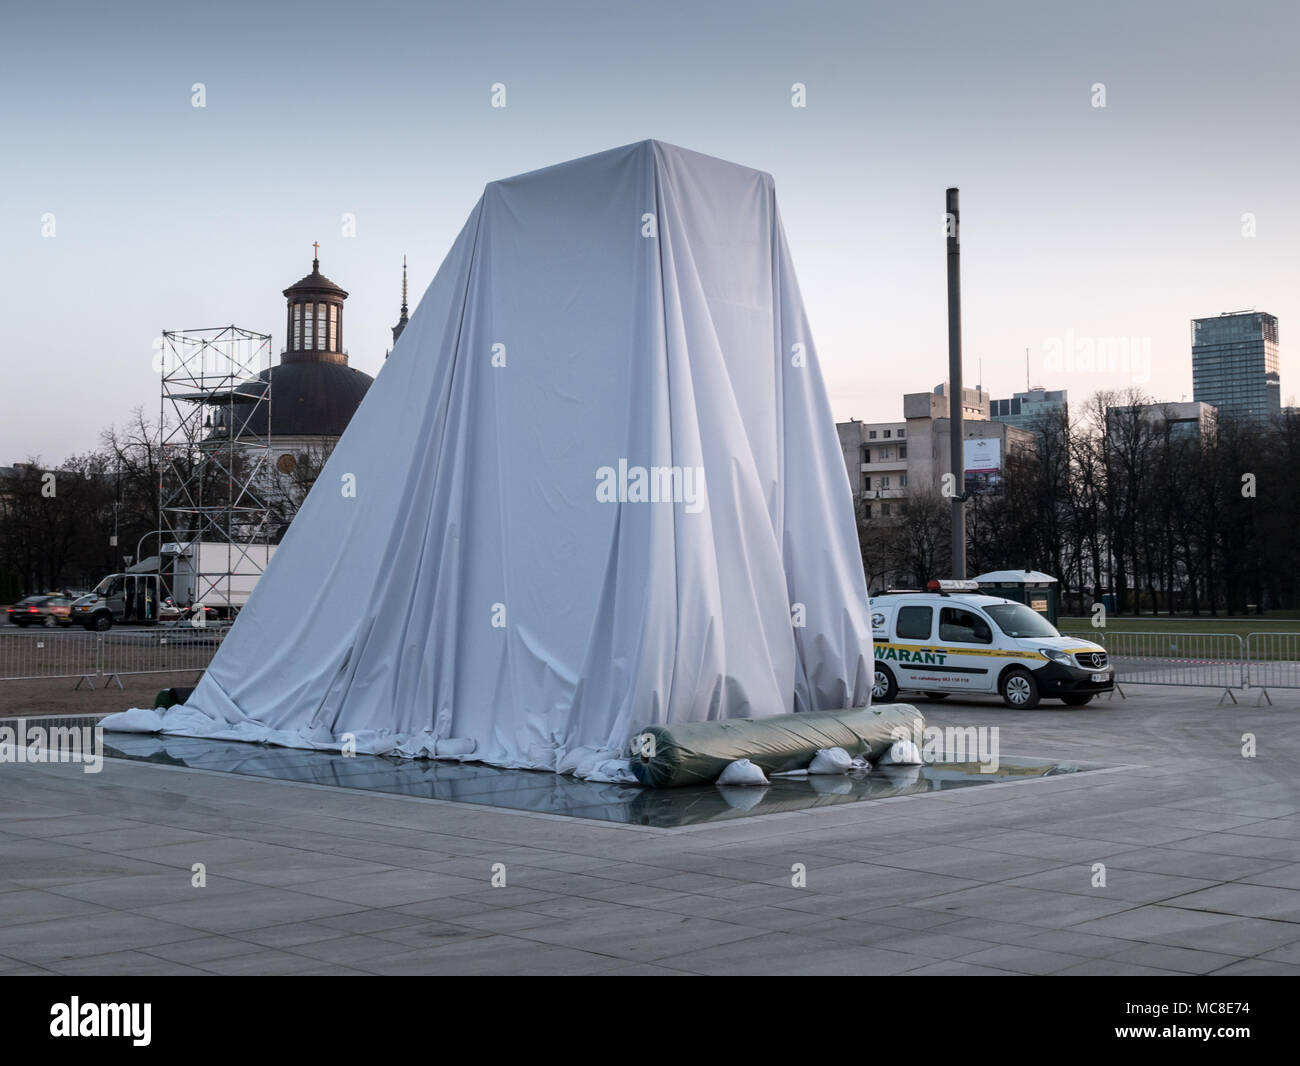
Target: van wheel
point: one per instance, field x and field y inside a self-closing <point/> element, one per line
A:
<point x="936" y="695"/>
<point x="1078" y="700"/>
<point x="1019" y="690"/>
<point x="103" y="622"/>
<point x="883" y="687"/>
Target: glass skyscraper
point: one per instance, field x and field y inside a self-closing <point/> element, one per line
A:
<point x="1235" y="365"/>
<point x="1027" y="410"/>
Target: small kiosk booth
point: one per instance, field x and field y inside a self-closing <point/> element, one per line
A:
<point x="1033" y="588"/>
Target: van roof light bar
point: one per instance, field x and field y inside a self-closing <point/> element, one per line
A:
<point x="953" y="585"/>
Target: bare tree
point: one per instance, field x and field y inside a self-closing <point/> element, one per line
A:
<point x="918" y="541"/>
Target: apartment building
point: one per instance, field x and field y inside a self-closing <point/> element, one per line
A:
<point x="887" y="460"/>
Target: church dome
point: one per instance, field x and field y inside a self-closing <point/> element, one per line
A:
<point x="307" y="400"/>
<point x="314" y="393"/>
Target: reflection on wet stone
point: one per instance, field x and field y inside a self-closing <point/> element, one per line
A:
<point x="550" y="793"/>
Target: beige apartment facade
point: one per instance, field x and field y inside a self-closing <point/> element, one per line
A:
<point x="888" y="461"/>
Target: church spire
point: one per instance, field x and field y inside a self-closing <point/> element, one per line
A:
<point x="402" y="319"/>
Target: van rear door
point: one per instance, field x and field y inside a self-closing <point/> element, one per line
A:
<point x="911" y="653"/>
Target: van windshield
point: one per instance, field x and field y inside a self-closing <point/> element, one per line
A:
<point x="1017" y="620"/>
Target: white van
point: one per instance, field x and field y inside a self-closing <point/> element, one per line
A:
<point x="952" y="639"/>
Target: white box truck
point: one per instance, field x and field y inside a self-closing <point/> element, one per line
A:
<point x="221" y="576"/>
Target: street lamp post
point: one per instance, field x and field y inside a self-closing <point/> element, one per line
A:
<point x="953" y="229"/>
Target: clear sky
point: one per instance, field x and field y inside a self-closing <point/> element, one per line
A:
<point x="1078" y="222"/>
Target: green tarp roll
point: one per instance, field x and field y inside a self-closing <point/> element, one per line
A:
<point x="695" y="753"/>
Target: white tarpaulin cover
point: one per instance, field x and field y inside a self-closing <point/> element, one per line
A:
<point x="596" y="486"/>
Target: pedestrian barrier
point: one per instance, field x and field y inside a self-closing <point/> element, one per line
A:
<point x="1274" y="661"/>
<point x="1197" y="660"/>
<point x="92" y="657"/>
<point x="29" y="655"/>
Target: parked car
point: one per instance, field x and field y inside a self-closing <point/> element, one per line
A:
<point x="48" y="611"/>
<point x="953" y="639"/>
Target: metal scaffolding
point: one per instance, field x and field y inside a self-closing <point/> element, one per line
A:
<point x="215" y="462"/>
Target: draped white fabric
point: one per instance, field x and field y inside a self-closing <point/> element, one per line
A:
<point x="597" y="485"/>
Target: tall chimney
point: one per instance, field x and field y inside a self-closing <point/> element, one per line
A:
<point x="953" y="226"/>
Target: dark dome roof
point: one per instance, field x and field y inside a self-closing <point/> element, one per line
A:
<point x="307" y="400"/>
<point x="316" y="283"/>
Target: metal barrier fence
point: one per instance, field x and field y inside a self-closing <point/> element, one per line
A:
<point x="93" y="656"/>
<point x="1200" y="660"/>
<point x="1274" y="661"/>
<point x="1206" y="660"/>
<point x="27" y="656"/>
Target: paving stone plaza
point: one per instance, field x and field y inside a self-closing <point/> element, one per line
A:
<point x="1198" y="844"/>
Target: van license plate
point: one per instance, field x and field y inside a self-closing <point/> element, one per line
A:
<point x="1100" y="677"/>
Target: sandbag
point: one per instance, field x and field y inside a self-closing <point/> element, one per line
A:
<point x="902" y="753"/>
<point x="742" y="772"/>
<point x="695" y="753"/>
<point x="831" y="761"/>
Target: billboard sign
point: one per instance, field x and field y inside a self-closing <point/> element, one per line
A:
<point x="982" y="461"/>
